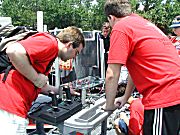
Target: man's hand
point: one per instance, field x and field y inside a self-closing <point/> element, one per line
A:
<point x="74" y="92"/>
<point x="120" y="102"/>
<point x="106" y="108"/>
<point x="40" y="81"/>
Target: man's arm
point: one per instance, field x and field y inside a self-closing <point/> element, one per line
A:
<point x="111" y="84"/>
<point x="129" y="88"/>
<point x="17" y="55"/>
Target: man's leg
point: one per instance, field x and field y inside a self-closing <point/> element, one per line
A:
<point x="11" y="124"/>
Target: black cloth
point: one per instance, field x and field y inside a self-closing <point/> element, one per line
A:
<point x="106" y="41"/>
<point x="162" y="121"/>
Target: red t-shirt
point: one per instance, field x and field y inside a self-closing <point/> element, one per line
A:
<point x="151" y="60"/>
<point x="136" y="117"/>
<point x="17" y="93"/>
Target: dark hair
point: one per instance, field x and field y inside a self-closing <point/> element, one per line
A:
<point x="106" y="25"/>
<point x="71" y="34"/>
<point x="118" y="8"/>
<point x="121" y="89"/>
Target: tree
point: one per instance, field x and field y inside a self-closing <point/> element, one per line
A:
<point x="160" y="12"/>
<point x="19" y="12"/>
<point x="83" y="13"/>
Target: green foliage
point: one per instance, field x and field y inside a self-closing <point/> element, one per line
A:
<point x="83" y="13"/>
<point x="160" y="12"/>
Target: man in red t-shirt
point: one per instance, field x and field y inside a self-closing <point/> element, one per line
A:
<point x="153" y="65"/>
<point x="32" y="58"/>
<point x="176" y="29"/>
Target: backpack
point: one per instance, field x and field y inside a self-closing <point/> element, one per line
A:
<point x="10" y="34"/>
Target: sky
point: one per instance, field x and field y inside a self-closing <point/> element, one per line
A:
<point x="94" y="2"/>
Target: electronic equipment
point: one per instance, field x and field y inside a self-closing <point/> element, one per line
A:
<point x="89" y="82"/>
<point x="57" y="111"/>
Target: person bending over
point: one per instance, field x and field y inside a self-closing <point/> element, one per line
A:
<point x="153" y="65"/>
<point x="32" y="58"/>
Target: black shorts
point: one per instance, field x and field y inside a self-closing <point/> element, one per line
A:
<point x="162" y="121"/>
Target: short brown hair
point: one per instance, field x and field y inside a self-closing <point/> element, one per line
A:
<point x="106" y="25"/>
<point x="118" y="8"/>
<point x="73" y="34"/>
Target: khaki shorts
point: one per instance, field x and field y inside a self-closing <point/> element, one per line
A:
<point x="11" y="124"/>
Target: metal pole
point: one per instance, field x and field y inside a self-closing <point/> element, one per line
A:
<point x="57" y="77"/>
<point x="83" y="96"/>
<point x="104" y="127"/>
<point x="40" y="21"/>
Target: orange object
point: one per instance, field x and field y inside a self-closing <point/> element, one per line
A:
<point x="66" y="65"/>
